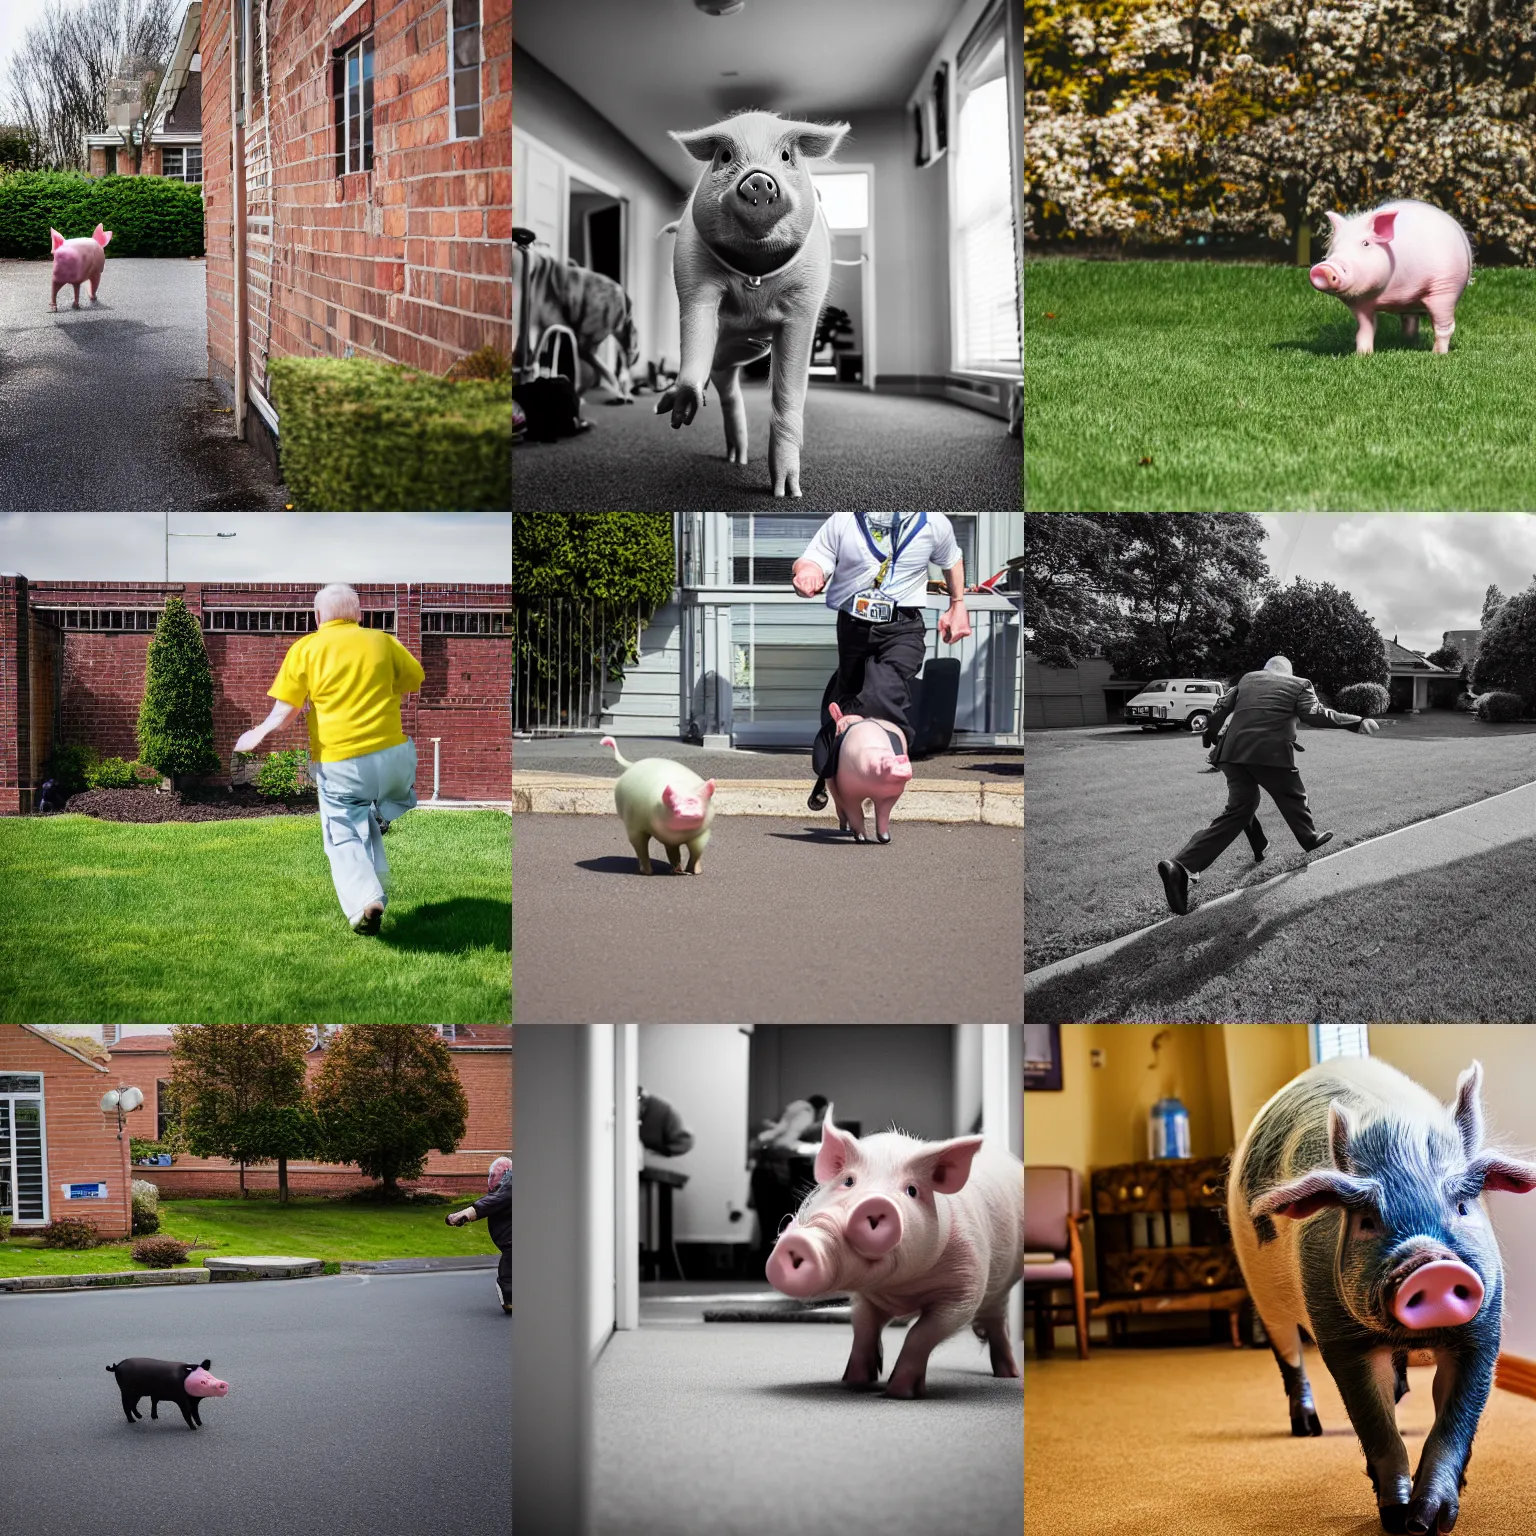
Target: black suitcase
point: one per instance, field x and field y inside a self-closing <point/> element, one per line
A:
<point x="551" y="406"/>
<point x="936" y="693"/>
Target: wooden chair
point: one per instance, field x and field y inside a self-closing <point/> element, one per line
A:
<point x="1053" y="1252"/>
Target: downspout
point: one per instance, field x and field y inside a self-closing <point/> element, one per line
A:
<point x="239" y="93"/>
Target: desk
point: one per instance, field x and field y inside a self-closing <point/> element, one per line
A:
<point x="659" y="1252"/>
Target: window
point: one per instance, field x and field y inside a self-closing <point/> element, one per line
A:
<point x="1158" y="687"/>
<point x="1330" y="1040"/>
<point x="22" y="1176"/>
<point x="764" y="547"/>
<point x="984" y="263"/>
<point x="182" y="162"/>
<point x="165" y="1109"/>
<point x="352" y="100"/>
<point x="464" y="69"/>
<point x="1200" y="688"/>
<point x="102" y="619"/>
<point x="282" y="621"/>
<point x="465" y="622"/>
<point x="844" y="198"/>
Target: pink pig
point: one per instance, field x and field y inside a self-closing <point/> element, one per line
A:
<point x="869" y="767"/>
<point x="202" y="1384"/>
<point x="933" y="1229"/>
<point x="1399" y="258"/>
<point x="78" y="261"/>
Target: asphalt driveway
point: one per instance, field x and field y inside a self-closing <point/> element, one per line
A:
<point x="357" y="1404"/>
<point x="108" y="407"/>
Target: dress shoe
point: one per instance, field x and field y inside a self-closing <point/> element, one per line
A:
<point x="370" y="918"/>
<point x="1260" y="849"/>
<point x="1175" y="885"/>
<point x="1318" y="841"/>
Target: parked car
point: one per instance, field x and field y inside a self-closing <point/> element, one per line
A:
<point x="1176" y="702"/>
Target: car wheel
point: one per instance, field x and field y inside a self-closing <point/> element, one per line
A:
<point x="1198" y="721"/>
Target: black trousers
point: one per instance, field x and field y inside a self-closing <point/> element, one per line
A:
<point x="876" y="666"/>
<point x="504" y="1273"/>
<point x="1244" y="781"/>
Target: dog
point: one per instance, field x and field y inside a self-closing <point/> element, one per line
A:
<point x="591" y="304"/>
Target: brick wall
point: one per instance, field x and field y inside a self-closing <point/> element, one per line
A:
<point x="81" y="1142"/>
<point x="411" y="262"/>
<point x="465" y="699"/>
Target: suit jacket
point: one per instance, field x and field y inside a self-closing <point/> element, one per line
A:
<point x="1264" y="708"/>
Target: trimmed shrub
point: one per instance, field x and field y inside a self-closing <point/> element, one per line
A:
<point x="362" y="436"/>
<point x="5" y="1225"/>
<point x="66" y="1232"/>
<point x="1368" y="699"/>
<point x="161" y="1252"/>
<point x="1499" y="708"/>
<point x="118" y="773"/>
<point x="72" y="767"/>
<point x="175" y="727"/>
<point x="146" y="1208"/>
<point x="148" y="215"/>
<point x="485" y="362"/>
<point x="284" y="775"/>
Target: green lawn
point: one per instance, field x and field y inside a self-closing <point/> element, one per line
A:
<point x="201" y="923"/>
<point x="1241" y="385"/>
<point x="306" y="1228"/>
<point x="1103" y="805"/>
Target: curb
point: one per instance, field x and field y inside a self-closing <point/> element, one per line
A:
<point x="231" y="1270"/>
<point x="464" y="805"/>
<point x="104" y="1280"/>
<point x="939" y="800"/>
<point x="250" y="1267"/>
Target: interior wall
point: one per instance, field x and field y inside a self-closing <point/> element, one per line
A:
<point x="967" y="1100"/>
<point x="602" y="1121"/>
<point x="543" y="105"/>
<point x="1435" y="1055"/>
<point x="1261" y="1060"/>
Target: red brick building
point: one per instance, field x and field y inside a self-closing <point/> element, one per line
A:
<point x="73" y="656"/>
<point x="50" y="1093"/>
<point x="375" y="210"/>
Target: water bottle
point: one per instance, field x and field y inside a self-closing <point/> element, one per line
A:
<point x="1168" y="1129"/>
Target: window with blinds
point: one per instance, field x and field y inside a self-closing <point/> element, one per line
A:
<point x="21" y="1149"/>
<point x="1330" y="1040"/>
<point x="983" y="256"/>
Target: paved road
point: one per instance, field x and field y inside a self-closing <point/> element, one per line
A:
<point x="788" y="923"/>
<point x="356" y="1405"/>
<point x="109" y="408"/>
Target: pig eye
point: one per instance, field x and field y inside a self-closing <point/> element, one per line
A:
<point x="912" y="1190"/>
<point x="784" y="156"/>
<point x="1461" y="1207"/>
<point x="848" y="1182"/>
<point x="1367" y="1223"/>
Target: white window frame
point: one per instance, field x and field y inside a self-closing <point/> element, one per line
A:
<point x="1328" y="1041"/>
<point x="356" y="50"/>
<point x="453" y="75"/>
<point x="41" y="1095"/>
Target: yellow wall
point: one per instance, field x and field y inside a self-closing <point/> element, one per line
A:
<point x="1261" y="1060"/>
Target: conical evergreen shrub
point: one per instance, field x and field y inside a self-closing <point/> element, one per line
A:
<point x="176" y="718"/>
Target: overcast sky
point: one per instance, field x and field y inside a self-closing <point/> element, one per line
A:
<point x="268" y="546"/>
<point x="15" y="17"/>
<point x="1416" y="573"/>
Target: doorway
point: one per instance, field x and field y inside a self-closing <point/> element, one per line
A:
<point x="845" y="342"/>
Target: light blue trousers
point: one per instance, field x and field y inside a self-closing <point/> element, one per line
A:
<point x="355" y="795"/>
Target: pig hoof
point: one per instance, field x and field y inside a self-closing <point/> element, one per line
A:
<point x="1305" y="1422"/>
<point x="1394" y="1518"/>
<point x="882" y="837"/>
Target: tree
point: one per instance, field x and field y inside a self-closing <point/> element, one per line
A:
<point x="234" y="1086"/>
<point x="1069" y="592"/>
<point x="61" y="76"/>
<point x="1448" y="656"/>
<point x="1493" y="600"/>
<point x="17" y="151"/>
<point x="1323" y="632"/>
<point x="1506" y="657"/>
<point x="388" y="1094"/>
<point x="176" y="717"/>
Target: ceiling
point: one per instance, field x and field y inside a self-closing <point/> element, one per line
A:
<point x="659" y="65"/>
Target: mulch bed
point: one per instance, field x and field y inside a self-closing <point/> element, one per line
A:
<point x="184" y="804"/>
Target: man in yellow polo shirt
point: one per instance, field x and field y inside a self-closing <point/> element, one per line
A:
<point x="363" y="765"/>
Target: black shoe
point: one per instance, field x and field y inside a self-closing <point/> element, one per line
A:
<point x="818" y="796"/>
<point x="1318" y="841"/>
<point x="1175" y="885"/>
<point x="1260" y="849"/>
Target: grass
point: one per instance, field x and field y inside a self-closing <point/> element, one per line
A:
<point x="1241" y="385"/>
<point x="307" y="1228"/>
<point x="1103" y="805"/>
<point x="201" y="923"/>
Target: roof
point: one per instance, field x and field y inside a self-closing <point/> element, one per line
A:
<point x="180" y="67"/>
<point x="63" y="1045"/>
<point x="1401" y="659"/>
<point x="146" y="1044"/>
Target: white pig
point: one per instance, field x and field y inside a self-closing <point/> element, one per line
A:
<point x="932" y="1228"/>
<point x="752" y="262"/>
<point x="662" y="799"/>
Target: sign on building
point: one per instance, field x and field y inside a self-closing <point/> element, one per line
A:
<point x="84" y="1191"/>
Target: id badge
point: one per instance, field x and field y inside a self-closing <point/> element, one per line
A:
<point x="873" y="606"/>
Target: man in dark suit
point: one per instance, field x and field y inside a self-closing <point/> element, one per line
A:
<point x="1257" y="751"/>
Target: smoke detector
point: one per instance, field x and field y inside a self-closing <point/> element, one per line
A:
<point x="721" y="7"/>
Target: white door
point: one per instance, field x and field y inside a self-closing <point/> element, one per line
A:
<point x="847" y="200"/>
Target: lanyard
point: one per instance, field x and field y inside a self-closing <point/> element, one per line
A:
<point x="888" y="562"/>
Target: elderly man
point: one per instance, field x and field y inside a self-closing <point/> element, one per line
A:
<point x="496" y="1206"/>
<point x="364" y="767"/>
<point x="1257" y="751"/>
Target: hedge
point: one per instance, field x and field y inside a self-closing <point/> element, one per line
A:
<point x="1500" y="708"/>
<point x="363" y="436"/>
<point x="1365" y="699"/>
<point x="148" y="215"/>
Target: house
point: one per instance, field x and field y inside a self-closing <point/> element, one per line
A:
<point x="1412" y="680"/>
<point x="736" y="658"/>
<point x="1465" y="640"/>
<point x="59" y="1151"/>
<point x="73" y="656"/>
<point x="175" y="120"/>
<point x="373" y="215"/>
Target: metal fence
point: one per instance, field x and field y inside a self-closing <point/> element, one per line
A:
<point x="565" y="655"/>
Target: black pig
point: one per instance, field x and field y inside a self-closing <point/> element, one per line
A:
<point x="166" y="1381"/>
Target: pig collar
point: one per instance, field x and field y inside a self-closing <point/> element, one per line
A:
<point x="778" y="271"/>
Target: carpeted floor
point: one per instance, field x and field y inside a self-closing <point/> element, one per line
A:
<point x="744" y="1429"/>
<point x="863" y="452"/>
<point x="1196" y="1442"/>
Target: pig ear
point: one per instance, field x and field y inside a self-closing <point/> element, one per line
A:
<point x="838" y="1150"/>
<point x="101" y="235"/>
<point x="1469" y="1108"/>
<point x="702" y="143"/>
<point x="1383" y="225"/>
<point x="1505" y="1173"/>
<point x="947" y="1166"/>
<point x="56" y="237"/>
<point x="817" y="140"/>
<point x="1306" y="1196"/>
<point x="1341" y="1130"/>
<point x="669" y="796"/>
<point x="709" y="789"/>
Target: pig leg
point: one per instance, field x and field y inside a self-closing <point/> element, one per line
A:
<point x="95" y="282"/>
<point x="883" y="809"/>
<point x="866" y="1358"/>
<point x="791" y="379"/>
<point x="131" y="1407"/>
<point x="674" y="856"/>
<point x="696" y="853"/>
<point x="1365" y="1380"/>
<point x="994" y="1330"/>
<point x="1410" y="328"/>
<point x="1442" y="315"/>
<point x="850" y="808"/>
<point x="1365" y="332"/>
<point x="1298" y="1390"/>
<point x="76" y="287"/>
<point x="641" y="843"/>
<point x="923" y="1337"/>
<point x="1462" y="1383"/>
<point x="53" y="298"/>
<point x="700" y="327"/>
<point x="189" y="1413"/>
<point x="727" y="382"/>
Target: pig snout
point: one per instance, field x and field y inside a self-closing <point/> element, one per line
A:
<point x="800" y="1264"/>
<point x="758" y="187"/>
<point x="1325" y="278"/>
<point x="874" y="1227"/>
<point x="1444" y="1293"/>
